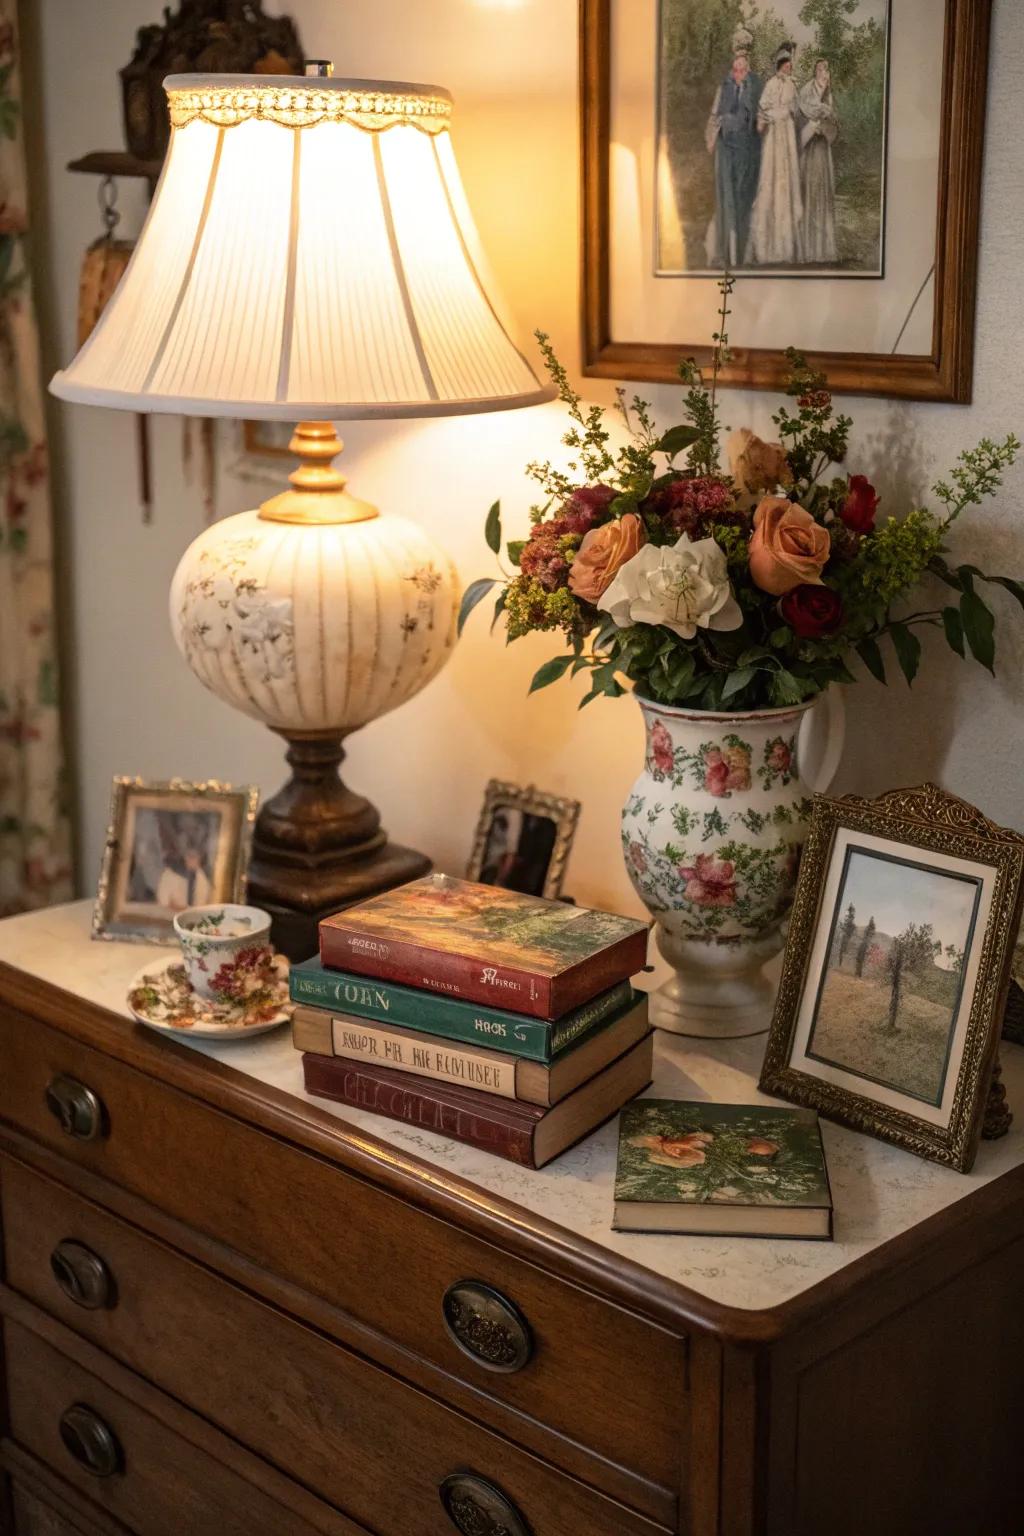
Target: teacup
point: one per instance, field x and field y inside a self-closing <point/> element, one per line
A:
<point x="218" y="943"/>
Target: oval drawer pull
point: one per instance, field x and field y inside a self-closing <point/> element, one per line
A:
<point x="78" y="1109"/>
<point x="82" y="1275"/>
<point x="90" y="1441"/>
<point x="476" y="1508"/>
<point x="487" y="1326"/>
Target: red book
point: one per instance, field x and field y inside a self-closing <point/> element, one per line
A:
<point x="521" y="1133"/>
<point x="486" y="944"/>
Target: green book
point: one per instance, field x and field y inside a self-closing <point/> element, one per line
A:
<point x="729" y="1170"/>
<point x="453" y="1018"/>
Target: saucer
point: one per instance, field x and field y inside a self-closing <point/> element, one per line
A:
<point x="161" y="997"/>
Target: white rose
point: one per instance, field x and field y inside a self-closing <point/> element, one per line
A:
<point x="684" y="586"/>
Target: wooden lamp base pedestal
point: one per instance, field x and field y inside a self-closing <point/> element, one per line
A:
<point x="318" y="847"/>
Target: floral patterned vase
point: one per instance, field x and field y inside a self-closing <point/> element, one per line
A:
<point x="711" y="833"/>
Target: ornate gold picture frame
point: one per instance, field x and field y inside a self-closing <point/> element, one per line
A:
<point x="896" y="969"/>
<point x="171" y="844"/>
<point x="523" y="839"/>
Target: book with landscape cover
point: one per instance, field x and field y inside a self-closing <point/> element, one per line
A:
<point x="310" y="982"/>
<point x="486" y="944"/>
<point x="471" y="1066"/>
<point x="521" y="1133"/>
<point x="738" y="1170"/>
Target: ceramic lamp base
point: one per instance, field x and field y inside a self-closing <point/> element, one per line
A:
<point x="318" y="847"/>
<point x="719" y="991"/>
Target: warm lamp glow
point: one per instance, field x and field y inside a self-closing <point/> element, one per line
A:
<point x="309" y="253"/>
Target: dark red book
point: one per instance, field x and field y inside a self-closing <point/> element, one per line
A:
<point x="486" y="944"/>
<point x="521" y="1133"/>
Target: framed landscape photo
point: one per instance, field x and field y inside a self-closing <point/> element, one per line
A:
<point x="896" y="969"/>
<point x="523" y="839"/>
<point x="170" y="846"/>
<point x="827" y="153"/>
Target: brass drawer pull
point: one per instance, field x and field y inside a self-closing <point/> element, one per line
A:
<point x="90" y="1441"/>
<point x="487" y="1326"/>
<point x="476" y="1508"/>
<point x="82" y="1276"/>
<point x="78" y="1109"/>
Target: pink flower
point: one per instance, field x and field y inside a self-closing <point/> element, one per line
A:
<point x="638" y="858"/>
<point x="780" y="757"/>
<point x="710" y="882"/>
<point x="716" y="773"/>
<point x="759" y="1146"/>
<point x="661" y="748"/>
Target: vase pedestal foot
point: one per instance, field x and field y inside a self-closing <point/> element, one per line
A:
<point x="719" y="991"/>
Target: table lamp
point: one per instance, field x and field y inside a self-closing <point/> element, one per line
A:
<point x="309" y="257"/>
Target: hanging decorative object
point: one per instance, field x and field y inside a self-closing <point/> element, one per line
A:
<point x="103" y="263"/>
<point x="225" y="37"/>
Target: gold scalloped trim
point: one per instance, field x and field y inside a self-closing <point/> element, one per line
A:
<point x="294" y="107"/>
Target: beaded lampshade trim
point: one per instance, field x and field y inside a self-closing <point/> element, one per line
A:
<point x="299" y="107"/>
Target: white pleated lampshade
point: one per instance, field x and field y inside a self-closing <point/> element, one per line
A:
<point x="309" y="254"/>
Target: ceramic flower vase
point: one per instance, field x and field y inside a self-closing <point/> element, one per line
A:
<point x="711" y="833"/>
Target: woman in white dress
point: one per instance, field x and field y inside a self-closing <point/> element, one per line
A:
<point x="776" y="228"/>
<point x="820" y="128"/>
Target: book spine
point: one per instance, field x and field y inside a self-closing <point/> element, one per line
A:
<point x="433" y="1015"/>
<point x="346" y="1084"/>
<point x="354" y="1040"/>
<point x="412" y="965"/>
<point x="566" y="1031"/>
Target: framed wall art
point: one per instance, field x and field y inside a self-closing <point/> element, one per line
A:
<point x="523" y="839"/>
<point x="827" y="152"/>
<point x="896" y="969"/>
<point x="170" y="846"/>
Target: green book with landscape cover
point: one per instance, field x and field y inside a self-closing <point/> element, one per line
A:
<point x="728" y="1170"/>
<point x="450" y="1017"/>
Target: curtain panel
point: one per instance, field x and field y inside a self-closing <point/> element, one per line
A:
<point x="35" y="864"/>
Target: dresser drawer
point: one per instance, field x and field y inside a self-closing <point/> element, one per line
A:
<point x="597" y="1373"/>
<point x="121" y="1458"/>
<point x="348" y="1430"/>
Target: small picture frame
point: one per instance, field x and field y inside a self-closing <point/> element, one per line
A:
<point x="171" y="845"/>
<point x="523" y="839"/>
<point x="897" y="968"/>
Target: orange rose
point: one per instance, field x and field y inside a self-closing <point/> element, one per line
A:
<point x="755" y="465"/>
<point x="601" y="555"/>
<point x="788" y="548"/>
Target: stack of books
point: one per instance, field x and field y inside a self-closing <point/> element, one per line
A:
<point x="495" y="1018"/>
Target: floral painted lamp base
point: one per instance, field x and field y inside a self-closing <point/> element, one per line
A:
<point x="712" y="833"/>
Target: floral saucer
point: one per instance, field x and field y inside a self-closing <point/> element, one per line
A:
<point x="162" y="997"/>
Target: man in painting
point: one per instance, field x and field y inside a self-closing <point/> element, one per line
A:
<point x="776" y="228"/>
<point x="820" y="128"/>
<point x="184" y="880"/>
<point x="732" y="138"/>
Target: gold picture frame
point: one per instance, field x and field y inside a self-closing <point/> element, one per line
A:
<point x="536" y="857"/>
<point x="154" y="827"/>
<point x="898" y="1038"/>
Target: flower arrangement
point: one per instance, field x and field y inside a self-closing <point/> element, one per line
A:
<point x="740" y="588"/>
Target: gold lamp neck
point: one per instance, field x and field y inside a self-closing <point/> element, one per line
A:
<point x="318" y="493"/>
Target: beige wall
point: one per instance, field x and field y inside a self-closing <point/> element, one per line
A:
<point x="512" y="67"/>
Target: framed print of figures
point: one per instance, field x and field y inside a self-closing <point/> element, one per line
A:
<point x="827" y="152"/>
<point x="896" y="969"/>
<point x="171" y="846"/>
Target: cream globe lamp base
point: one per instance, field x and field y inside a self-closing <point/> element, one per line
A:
<point x="316" y="615"/>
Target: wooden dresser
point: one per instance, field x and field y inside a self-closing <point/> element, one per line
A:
<point x="228" y="1310"/>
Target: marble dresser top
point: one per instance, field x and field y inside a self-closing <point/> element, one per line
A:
<point x="878" y="1190"/>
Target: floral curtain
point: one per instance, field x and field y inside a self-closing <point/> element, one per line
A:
<point x="35" y="866"/>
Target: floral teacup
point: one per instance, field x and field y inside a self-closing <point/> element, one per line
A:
<point x="221" y="945"/>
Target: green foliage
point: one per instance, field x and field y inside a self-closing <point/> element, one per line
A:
<point x="813" y="438"/>
<point x="492" y="528"/>
<point x="474" y="593"/>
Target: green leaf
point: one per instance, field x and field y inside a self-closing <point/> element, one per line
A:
<point x="1016" y="587"/>
<point x="499" y="607"/>
<point x="737" y="681"/>
<point x="979" y="629"/>
<point x="550" y="672"/>
<point x="474" y="593"/>
<point x="492" y="528"/>
<point x="627" y="502"/>
<point x="785" y="688"/>
<point x="954" y="627"/>
<point x="515" y="548"/>
<point x="871" y="656"/>
<point x="676" y="439"/>
<point x="908" y="650"/>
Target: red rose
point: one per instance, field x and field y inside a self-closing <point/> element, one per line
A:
<point x="812" y="612"/>
<point x="859" y="508"/>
